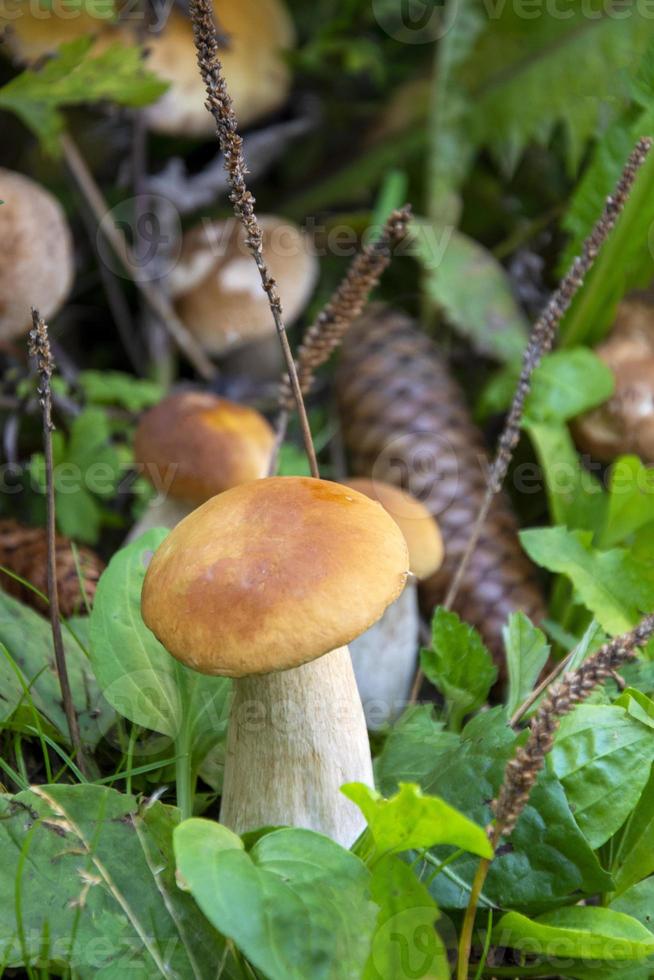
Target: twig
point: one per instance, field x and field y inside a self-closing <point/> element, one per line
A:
<point x="158" y="303"/>
<point x="39" y="349"/>
<point x="220" y="106"/>
<point x="522" y="771"/>
<point x="540" y="343"/>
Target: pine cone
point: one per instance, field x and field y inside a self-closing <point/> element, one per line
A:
<point x="405" y="421"/>
<point x="24" y="551"/>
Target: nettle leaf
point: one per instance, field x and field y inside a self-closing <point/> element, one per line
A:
<point x="549" y="858"/>
<point x="405" y="942"/>
<point x="412" y="821"/>
<point x="567" y="383"/>
<point x="527" y="651"/>
<point x="118" y="388"/>
<point x="297" y="904"/>
<point x="464" y="280"/>
<point x="630" y="500"/>
<point x="602" y="755"/>
<point x="583" y="932"/>
<point x="27" y="637"/>
<point x="92" y="878"/>
<point x="75" y="76"/>
<point x="459" y="665"/>
<point x="613" y="585"/>
<point x="136" y="673"/>
<point x="527" y="75"/>
<point x="575" y="495"/>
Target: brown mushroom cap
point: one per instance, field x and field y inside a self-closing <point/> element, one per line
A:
<point x="419" y="528"/>
<point x="271" y="575"/>
<point x="205" y="443"/>
<point x="624" y="423"/>
<point x="37" y="267"/>
<point x="217" y="286"/>
<point x="258" y="80"/>
<point x="31" y="36"/>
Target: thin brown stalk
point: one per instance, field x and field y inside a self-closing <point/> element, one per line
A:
<point x="156" y="300"/>
<point x="219" y="104"/>
<point x="39" y="349"/>
<point x="522" y="771"/>
<point x="540" y="343"/>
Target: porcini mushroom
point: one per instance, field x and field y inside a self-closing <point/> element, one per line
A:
<point x="385" y="656"/>
<point x="218" y="295"/>
<point x="37" y="267"/>
<point x="193" y="445"/>
<point x="267" y="583"/>
<point x="625" y="422"/>
<point x="256" y="33"/>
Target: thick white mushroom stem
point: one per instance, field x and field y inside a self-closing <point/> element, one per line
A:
<point x="160" y="512"/>
<point x="384" y="659"/>
<point x="295" y="737"/>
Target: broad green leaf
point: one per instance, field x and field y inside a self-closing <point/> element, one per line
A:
<point x="405" y="942"/>
<point x="634" y="859"/>
<point x="527" y="651"/>
<point x="412" y="821"/>
<point x="136" y="673"/>
<point x="638" y="902"/>
<point x="92" y="876"/>
<point x="118" y="388"/>
<point x="296" y="904"/>
<point x="472" y="289"/>
<point x="12" y="684"/>
<point x="76" y="76"/>
<point x="603" y="757"/>
<point x="614" y="586"/>
<point x="28" y="638"/>
<point x="574" y="494"/>
<point x="567" y="383"/>
<point x="630" y="500"/>
<point x="459" y="665"/>
<point x="548" y="859"/>
<point x="582" y="931"/>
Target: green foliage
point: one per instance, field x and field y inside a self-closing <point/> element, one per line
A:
<point x="567" y="383"/>
<point x="459" y="665"/>
<point x="27" y="640"/>
<point x="471" y="288"/>
<point x="529" y="74"/>
<point x="296" y="904"/>
<point x="634" y="858"/>
<point x="616" y="587"/>
<point x="87" y="469"/>
<point x="76" y="76"/>
<point x="587" y="933"/>
<point x="411" y="821"/>
<point x="527" y="652"/>
<point x="549" y="860"/>
<point x="118" y="388"/>
<point x="88" y="881"/>
<point x="137" y="675"/>
<point x="630" y="501"/>
<point x="602" y="756"/>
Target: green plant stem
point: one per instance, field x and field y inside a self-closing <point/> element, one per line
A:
<point x="465" y="939"/>
<point x="184" y="775"/>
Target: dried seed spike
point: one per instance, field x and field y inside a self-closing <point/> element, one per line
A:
<point x="219" y="104"/>
<point x="347" y="303"/>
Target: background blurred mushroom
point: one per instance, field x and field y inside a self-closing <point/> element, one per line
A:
<point x="37" y="268"/>
<point x="625" y="422"/>
<point x="218" y="295"/>
<point x="256" y="33"/>
<point x="385" y="656"/>
<point x="192" y="446"/>
<point x="266" y="583"/>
